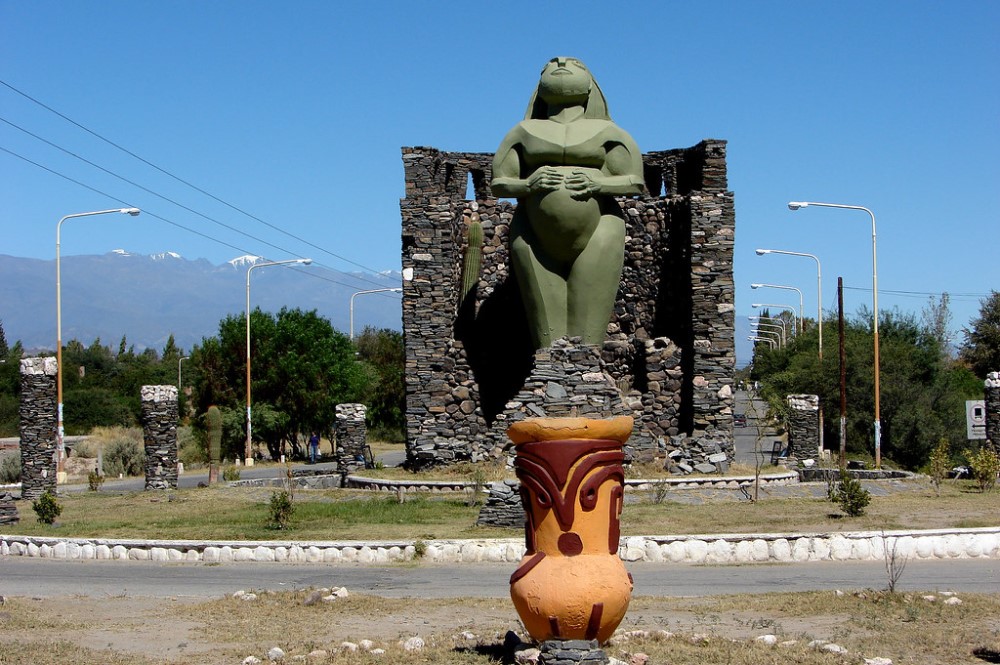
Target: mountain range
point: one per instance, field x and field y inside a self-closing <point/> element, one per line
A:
<point x="147" y="298"/>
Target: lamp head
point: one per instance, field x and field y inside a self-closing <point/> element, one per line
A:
<point x="305" y="262"/>
<point x="795" y="205"/>
<point x="756" y="305"/>
<point x="762" y="252"/>
<point x="756" y="286"/>
<point x="130" y="211"/>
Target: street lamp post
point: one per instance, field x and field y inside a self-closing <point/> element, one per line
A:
<point x="787" y="308"/>
<point x="772" y="334"/>
<point x="778" y="327"/>
<point x="762" y="339"/>
<point x="394" y="290"/>
<point x="819" y="287"/>
<point x="60" y="432"/>
<point x="796" y="205"/>
<point x="248" y="452"/>
<point x="790" y="288"/>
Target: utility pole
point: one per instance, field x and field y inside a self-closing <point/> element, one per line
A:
<point x="843" y="374"/>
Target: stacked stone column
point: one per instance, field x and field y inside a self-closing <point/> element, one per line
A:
<point x="992" y="399"/>
<point x="803" y="427"/>
<point x="37" y="412"/>
<point x="352" y="437"/>
<point x="159" y="431"/>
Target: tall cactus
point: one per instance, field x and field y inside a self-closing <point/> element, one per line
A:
<point x="213" y="420"/>
<point x="473" y="258"/>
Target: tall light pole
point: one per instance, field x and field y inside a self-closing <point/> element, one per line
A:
<point x="248" y="453"/>
<point x="179" y="361"/>
<point x="790" y="288"/>
<point x="774" y="321"/>
<point x="819" y="287"/>
<point x="762" y="339"/>
<point x="760" y="333"/>
<point x="780" y="329"/>
<point x="60" y="433"/>
<point x="787" y="308"/>
<point x="796" y="205"/>
<point x="394" y="290"/>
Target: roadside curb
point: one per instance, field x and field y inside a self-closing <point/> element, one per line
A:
<point x="981" y="543"/>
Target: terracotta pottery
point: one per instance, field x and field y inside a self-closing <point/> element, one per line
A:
<point x="571" y="585"/>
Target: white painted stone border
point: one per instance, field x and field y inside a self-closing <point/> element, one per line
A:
<point x="983" y="543"/>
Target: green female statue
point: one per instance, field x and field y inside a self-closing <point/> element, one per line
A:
<point x="565" y="163"/>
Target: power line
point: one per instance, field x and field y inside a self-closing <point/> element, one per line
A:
<point x="183" y="181"/>
<point x="160" y="217"/>
<point x="918" y="294"/>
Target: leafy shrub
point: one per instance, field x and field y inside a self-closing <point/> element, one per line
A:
<point x="10" y="468"/>
<point x="850" y="495"/>
<point x="85" y="448"/>
<point x="280" y="509"/>
<point x="985" y="465"/>
<point x="230" y="473"/>
<point x="124" y="454"/>
<point x="47" y="508"/>
<point x="190" y="449"/>
<point x="94" y="481"/>
<point x="940" y="462"/>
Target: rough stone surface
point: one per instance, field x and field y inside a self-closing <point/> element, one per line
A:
<point x="38" y="423"/>
<point x="803" y="428"/>
<point x="992" y="399"/>
<point x="503" y="505"/>
<point x="8" y="509"/>
<point x="571" y="652"/>
<point x="670" y="348"/>
<point x="159" y="433"/>
<point x="352" y="437"/>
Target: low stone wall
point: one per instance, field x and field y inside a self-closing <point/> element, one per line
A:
<point x="8" y="509"/>
<point x="983" y="543"/>
<point x="820" y="475"/>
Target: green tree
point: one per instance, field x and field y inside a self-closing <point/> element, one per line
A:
<point x="922" y="390"/>
<point x="301" y="368"/>
<point x="981" y="349"/>
<point x="383" y="357"/>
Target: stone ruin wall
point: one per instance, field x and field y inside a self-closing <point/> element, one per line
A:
<point x="670" y="348"/>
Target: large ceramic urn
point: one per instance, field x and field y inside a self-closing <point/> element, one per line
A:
<point x="571" y="584"/>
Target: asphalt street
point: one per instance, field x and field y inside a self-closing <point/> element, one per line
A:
<point x="43" y="578"/>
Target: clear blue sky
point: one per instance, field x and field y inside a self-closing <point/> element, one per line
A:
<point x="295" y="113"/>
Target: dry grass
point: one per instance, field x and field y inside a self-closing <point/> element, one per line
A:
<point x="227" y="513"/>
<point x="705" y="631"/>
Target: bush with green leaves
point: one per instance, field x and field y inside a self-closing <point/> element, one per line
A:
<point x="848" y="493"/>
<point x="940" y="463"/>
<point x="280" y="509"/>
<point x="10" y="468"/>
<point x="125" y="454"/>
<point x="230" y="473"/>
<point x="94" y="481"/>
<point x="47" y="508"/>
<point x="985" y="465"/>
<point x="190" y="449"/>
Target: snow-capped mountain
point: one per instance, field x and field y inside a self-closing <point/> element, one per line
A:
<point x="148" y="298"/>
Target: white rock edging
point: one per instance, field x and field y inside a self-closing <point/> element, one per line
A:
<point x="981" y="543"/>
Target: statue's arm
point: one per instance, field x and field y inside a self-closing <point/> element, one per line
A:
<point x="623" y="166"/>
<point x="507" y="181"/>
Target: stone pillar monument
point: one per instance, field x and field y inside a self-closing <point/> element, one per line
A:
<point x="159" y="432"/>
<point x="803" y="427"/>
<point x="352" y="437"/>
<point x="38" y="426"/>
<point x="992" y="399"/>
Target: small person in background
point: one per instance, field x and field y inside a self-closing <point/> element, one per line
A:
<point x="313" y="448"/>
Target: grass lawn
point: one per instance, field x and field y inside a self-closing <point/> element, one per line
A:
<point x="230" y="513"/>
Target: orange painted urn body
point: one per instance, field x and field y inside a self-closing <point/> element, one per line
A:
<point x="571" y="584"/>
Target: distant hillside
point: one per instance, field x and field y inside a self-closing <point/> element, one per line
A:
<point x="148" y="298"/>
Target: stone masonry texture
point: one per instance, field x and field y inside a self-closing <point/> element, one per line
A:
<point x="37" y="413"/>
<point x="992" y="399"/>
<point x="803" y="428"/>
<point x="352" y="437"/>
<point x="670" y="352"/>
<point x="159" y="433"/>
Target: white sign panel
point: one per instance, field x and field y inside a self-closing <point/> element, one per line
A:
<point x="975" y="418"/>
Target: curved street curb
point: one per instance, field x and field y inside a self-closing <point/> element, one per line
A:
<point x="981" y="543"/>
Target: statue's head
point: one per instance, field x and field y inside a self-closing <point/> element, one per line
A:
<point x="567" y="80"/>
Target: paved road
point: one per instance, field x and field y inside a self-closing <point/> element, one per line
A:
<point x="746" y="437"/>
<point x="22" y="576"/>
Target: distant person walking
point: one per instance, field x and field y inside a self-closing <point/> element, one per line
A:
<point x="313" y="448"/>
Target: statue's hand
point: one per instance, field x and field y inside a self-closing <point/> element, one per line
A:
<point x="545" y="179"/>
<point x="581" y="185"/>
